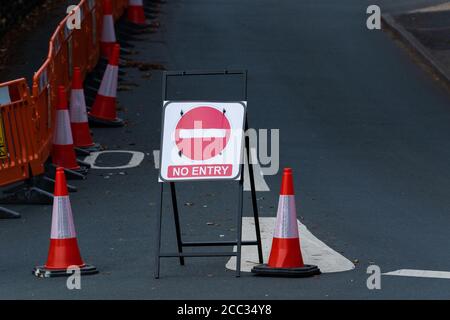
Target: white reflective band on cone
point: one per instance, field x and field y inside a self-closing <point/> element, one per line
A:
<point x="108" y="87"/>
<point x="78" y="112"/>
<point x="108" y="34"/>
<point x="137" y="3"/>
<point x="63" y="133"/>
<point x="4" y="96"/>
<point x="62" y="219"/>
<point x="286" y="226"/>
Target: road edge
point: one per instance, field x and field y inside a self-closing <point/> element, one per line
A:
<point x="389" y="21"/>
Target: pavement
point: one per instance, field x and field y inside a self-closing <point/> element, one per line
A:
<point x="364" y="128"/>
<point x="427" y="32"/>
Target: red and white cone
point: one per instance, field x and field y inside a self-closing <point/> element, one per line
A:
<point x="81" y="133"/>
<point x="286" y="256"/>
<point x="104" y="111"/>
<point x="108" y="37"/>
<point x="136" y="12"/>
<point x="63" y="152"/>
<point x="63" y="252"/>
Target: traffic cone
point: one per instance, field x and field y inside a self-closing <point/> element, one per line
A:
<point x="108" y="37"/>
<point x="136" y="12"/>
<point x="64" y="251"/>
<point x="78" y="116"/>
<point x="63" y="152"/>
<point x="103" y="111"/>
<point x="286" y="256"/>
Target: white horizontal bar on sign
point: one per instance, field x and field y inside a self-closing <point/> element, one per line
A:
<point x="419" y="273"/>
<point x="202" y="133"/>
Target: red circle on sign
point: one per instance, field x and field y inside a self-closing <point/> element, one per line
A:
<point x="202" y="133"/>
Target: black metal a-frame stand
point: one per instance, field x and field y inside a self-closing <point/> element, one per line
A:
<point x="238" y="243"/>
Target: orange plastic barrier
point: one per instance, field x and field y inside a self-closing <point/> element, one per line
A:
<point x="68" y="48"/>
<point x="18" y="150"/>
<point x="27" y="122"/>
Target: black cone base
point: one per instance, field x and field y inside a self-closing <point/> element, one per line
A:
<point x="306" y="271"/>
<point x="96" y="147"/>
<point x="106" y="123"/>
<point x="42" y="272"/>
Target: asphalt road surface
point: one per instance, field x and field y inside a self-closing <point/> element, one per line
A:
<point x="365" y="129"/>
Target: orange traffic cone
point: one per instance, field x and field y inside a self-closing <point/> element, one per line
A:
<point x="108" y="37"/>
<point x="103" y="111"/>
<point x="136" y="12"/>
<point x="78" y="116"/>
<point x="63" y="152"/>
<point x="64" y="251"/>
<point x="286" y="256"/>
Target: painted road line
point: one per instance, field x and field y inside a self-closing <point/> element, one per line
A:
<point x="260" y="183"/>
<point x="135" y="161"/>
<point x="314" y="251"/>
<point x="419" y="273"/>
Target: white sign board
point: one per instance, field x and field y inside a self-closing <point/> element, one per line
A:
<point x="202" y="141"/>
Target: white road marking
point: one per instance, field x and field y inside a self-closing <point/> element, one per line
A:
<point x="419" y="273"/>
<point x="314" y="251"/>
<point x="202" y="133"/>
<point x="260" y="183"/>
<point x="135" y="161"/>
<point x="439" y="7"/>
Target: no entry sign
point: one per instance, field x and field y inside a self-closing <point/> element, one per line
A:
<point x="202" y="140"/>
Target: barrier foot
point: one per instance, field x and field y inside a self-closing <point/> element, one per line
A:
<point x="154" y="3"/>
<point x="70" y="174"/>
<point x="79" y="174"/>
<point x="82" y="151"/>
<point x="43" y="193"/>
<point x="92" y="86"/>
<point x="97" y="122"/>
<point x="127" y="27"/>
<point x="87" y="150"/>
<point x="140" y="30"/>
<point x="124" y="46"/>
<point x="27" y="193"/>
<point x="85" y="166"/>
<point x="75" y="175"/>
<point x="48" y="184"/>
<point x="8" y="214"/>
<point x="126" y="36"/>
<point x="150" y="11"/>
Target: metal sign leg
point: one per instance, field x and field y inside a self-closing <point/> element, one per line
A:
<point x="239" y="227"/>
<point x="256" y="214"/>
<point x="158" y="234"/>
<point x="177" y="221"/>
<point x="253" y="194"/>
